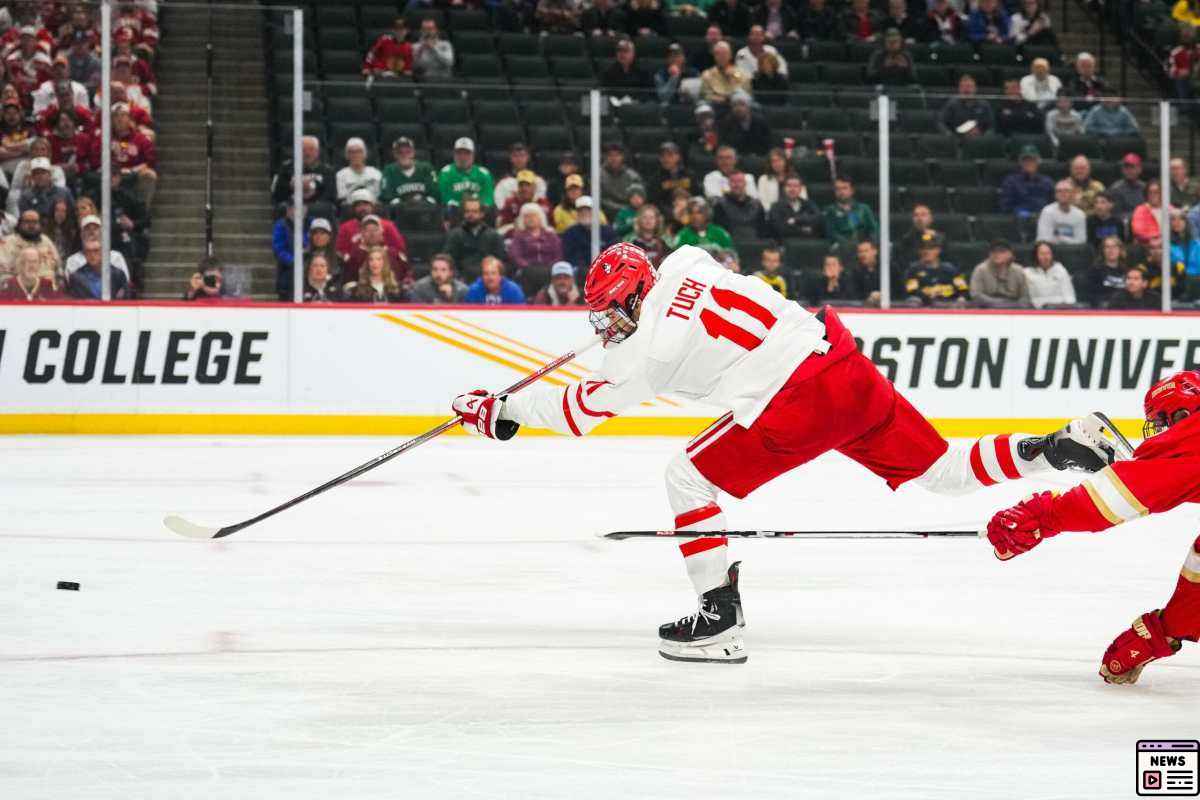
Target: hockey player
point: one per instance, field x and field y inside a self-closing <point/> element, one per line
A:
<point x="795" y="386"/>
<point x="1164" y="472"/>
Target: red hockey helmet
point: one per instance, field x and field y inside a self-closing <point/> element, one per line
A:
<point x="1170" y="400"/>
<point x="617" y="281"/>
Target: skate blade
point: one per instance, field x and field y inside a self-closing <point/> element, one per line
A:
<point x="1123" y="447"/>
<point x="720" y="649"/>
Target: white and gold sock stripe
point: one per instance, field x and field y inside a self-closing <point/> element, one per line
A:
<point x="1191" y="567"/>
<point x="1112" y="497"/>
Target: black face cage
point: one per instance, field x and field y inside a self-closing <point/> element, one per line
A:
<point x="1153" y="427"/>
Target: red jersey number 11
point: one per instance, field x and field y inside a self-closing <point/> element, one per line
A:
<point x="720" y="328"/>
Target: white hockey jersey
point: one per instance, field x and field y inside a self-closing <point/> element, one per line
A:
<point x="704" y="334"/>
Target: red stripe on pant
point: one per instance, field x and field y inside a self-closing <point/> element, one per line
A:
<point x="977" y="466"/>
<point x="699" y="515"/>
<point x="1004" y="456"/>
<point x="702" y="545"/>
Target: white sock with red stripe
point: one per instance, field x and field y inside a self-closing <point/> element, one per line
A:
<point x="707" y="562"/>
<point x="984" y="462"/>
<point x="694" y="501"/>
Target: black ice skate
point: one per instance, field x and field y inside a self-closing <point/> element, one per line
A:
<point x="713" y="633"/>
<point x="1085" y="445"/>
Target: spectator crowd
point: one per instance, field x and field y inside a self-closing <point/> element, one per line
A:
<point x="50" y="148"/>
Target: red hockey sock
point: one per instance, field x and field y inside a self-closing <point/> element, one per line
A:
<point x="1181" y="615"/>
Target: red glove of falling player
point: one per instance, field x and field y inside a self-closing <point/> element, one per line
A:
<point x="480" y="413"/>
<point x="1021" y="528"/>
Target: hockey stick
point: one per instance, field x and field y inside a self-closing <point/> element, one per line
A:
<point x="191" y="530"/>
<point x="619" y="535"/>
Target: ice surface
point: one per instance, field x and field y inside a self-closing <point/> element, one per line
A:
<point x="449" y="627"/>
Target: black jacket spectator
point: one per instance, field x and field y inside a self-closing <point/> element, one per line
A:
<point x="962" y="109"/>
<point x="645" y="15"/>
<point x="603" y="18"/>
<point x="1016" y="115"/>
<point x="732" y="15"/>
<point x="619" y="79"/>
<point x="781" y="17"/>
<point x="893" y="67"/>
<point x="319" y="179"/>
<point x="663" y="184"/>
<point x="741" y="215"/>
<point x="769" y="89"/>
<point x="799" y="219"/>
<point x="746" y="134"/>
<point x="818" y="21"/>
<point x="472" y="240"/>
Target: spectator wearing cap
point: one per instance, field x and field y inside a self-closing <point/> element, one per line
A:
<point x="922" y="228"/>
<point x="15" y="136"/>
<point x="723" y="78"/>
<point x="625" y="76"/>
<point x="716" y="182"/>
<point x="1063" y="119"/>
<point x="742" y="129"/>
<point x="1026" y="192"/>
<point x="357" y="174"/>
<point x="1061" y="222"/>
<point x="989" y="23"/>
<point x="79" y="257"/>
<point x="562" y="290"/>
<point x="86" y="282"/>
<point x="518" y="163"/>
<point x="966" y="107"/>
<point x="371" y="237"/>
<point x="930" y="281"/>
<point x="998" y="282"/>
<point x="1049" y="282"/>
<point x="669" y="79"/>
<point x="319" y="284"/>
<point x="510" y="212"/>
<point x="362" y="205"/>
<point x="391" y="55"/>
<point x="1130" y="191"/>
<point x="463" y="176"/>
<point x="27" y="64"/>
<point x="1144" y="222"/>
<point x="1185" y="190"/>
<point x="1102" y="222"/>
<point x="132" y="153"/>
<point x="738" y="212"/>
<point x="568" y="164"/>
<point x="794" y="216"/>
<point x="892" y="64"/>
<point x="701" y="233"/>
<point x="748" y="57"/>
<point x="320" y="242"/>
<point x="602" y="18"/>
<point x="433" y="56"/>
<point x="577" y="239"/>
<point x="1016" y="116"/>
<point x="440" y="286"/>
<point x="473" y="239"/>
<point x="42" y="194"/>
<point x="281" y="245"/>
<point x="861" y="22"/>
<point x="533" y="247"/>
<point x="623" y="223"/>
<point x="615" y="179"/>
<point x="22" y="180"/>
<point x="27" y="285"/>
<point x="122" y="72"/>
<point x="1040" y="86"/>
<point x="564" y="214"/>
<point x="1084" y="185"/>
<point x="846" y="219"/>
<point x="670" y="175"/>
<point x="29" y="234"/>
<point x="1085" y="84"/>
<point x="770" y="270"/>
<point x="777" y="19"/>
<point x="706" y="124"/>
<point x="407" y="179"/>
<point x="557" y="16"/>
<point x="491" y="288"/>
<point x="1110" y="118"/>
<point x="733" y="16"/>
<point x="83" y="65"/>
<point x="647" y="234"/>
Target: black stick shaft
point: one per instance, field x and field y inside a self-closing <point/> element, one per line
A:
<point x="390" y="454"/>
<point x="618" y="535"/>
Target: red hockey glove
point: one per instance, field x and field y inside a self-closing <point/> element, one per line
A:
<point x="480" y="413"/>
<point x="1128" y="655"/>
<point x="1021" y="528"/>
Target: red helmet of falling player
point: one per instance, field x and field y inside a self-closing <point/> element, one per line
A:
<point x="1170" y="400"/>
<point x="616" y="284"/>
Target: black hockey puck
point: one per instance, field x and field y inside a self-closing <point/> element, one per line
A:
<point x="70" y="586"/>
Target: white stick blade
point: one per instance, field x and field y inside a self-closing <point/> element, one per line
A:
<point x="191" y="530"/>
